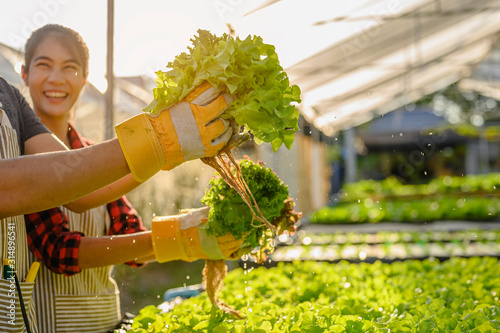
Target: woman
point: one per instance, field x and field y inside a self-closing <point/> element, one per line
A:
<point x="55" y="70"/>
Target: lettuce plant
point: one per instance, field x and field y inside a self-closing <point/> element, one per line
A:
<point x="248" y="69"/>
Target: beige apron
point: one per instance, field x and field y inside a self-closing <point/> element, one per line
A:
<point x="14" y="246"/>
<point x="85" y="302"/>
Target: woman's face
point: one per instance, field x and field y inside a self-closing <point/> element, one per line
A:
<point x="55" y="79"/>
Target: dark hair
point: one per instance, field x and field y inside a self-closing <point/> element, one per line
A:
<point x="68" y="37"/>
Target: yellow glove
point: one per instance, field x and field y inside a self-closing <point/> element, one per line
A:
<point x="186" y="131"/>
<point x="184" y="237"/>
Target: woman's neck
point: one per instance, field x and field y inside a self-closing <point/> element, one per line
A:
<point x="58" y="126"/>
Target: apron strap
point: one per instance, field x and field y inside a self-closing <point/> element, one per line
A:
<point x="4" y="120"/>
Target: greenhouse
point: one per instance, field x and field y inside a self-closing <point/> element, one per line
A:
<point x="264" y="166"/>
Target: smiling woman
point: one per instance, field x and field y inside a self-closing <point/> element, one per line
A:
<point x="79" y="247"/>
<point x="55" y="70"/>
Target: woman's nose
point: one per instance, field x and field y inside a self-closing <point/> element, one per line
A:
<point x="56" y="76"/>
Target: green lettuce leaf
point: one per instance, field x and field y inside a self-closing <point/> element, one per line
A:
<point x="230" y="214"/>
<point x="248" y="69"/>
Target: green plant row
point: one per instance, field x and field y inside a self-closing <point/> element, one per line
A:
<point x="491" y="133"/>
<point x="457" y="295"/>
<point x="386" y="252"/>
<point x="391" y="187"/>
<point x="416" y="210"/>
<point x="384" y="237"/>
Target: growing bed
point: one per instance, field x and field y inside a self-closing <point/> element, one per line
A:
<point x="424" y="275"/>
<point x="457" y="295"/>
<point x="436" y="284"/>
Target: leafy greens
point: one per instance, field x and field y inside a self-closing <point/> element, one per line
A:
<point x="457" y="295"/>
<point x="248" y="69"/>
<point x="229" y="214"/>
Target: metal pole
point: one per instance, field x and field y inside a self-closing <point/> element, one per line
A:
<point x="351" y="156"/>
<point x="109" y="72"/>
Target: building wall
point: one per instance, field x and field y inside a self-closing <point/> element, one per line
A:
<point x="303" y="168"/>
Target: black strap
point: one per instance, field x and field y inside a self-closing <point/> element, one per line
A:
<point x="21" y="302"/>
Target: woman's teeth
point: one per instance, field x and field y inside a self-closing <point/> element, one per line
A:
<point x="55" y="94"/>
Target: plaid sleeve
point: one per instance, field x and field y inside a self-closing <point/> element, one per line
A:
<point x="52" y="242"/>
<point x="124" y="220"/>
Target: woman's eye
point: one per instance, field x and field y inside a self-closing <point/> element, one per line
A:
<point x="72" y="69"/>
<point x="42" y="65"/>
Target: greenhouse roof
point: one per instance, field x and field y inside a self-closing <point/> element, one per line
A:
<point x="360" y="59"/>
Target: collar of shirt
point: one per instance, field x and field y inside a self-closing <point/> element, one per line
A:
<point x="75" y="139"/>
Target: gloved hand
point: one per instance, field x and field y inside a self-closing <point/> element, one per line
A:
<point x="186" y="131"/>
<point x="183" y="237"/>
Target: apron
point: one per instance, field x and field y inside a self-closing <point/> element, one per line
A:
<point x="85" y="302"/>
<point x="14" y="246"/>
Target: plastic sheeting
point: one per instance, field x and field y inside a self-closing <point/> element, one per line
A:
<point x="357" y="60"/>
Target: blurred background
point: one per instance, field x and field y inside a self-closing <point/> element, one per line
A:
<point x="399" y="114"/>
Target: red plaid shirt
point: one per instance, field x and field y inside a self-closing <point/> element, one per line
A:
<point x="55" y="245"/>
